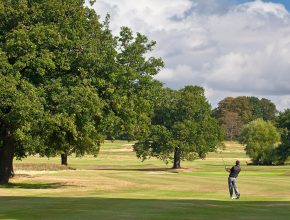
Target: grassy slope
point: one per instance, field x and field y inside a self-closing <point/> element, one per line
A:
<point x="118" y="186"/>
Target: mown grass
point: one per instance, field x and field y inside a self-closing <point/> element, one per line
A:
<point x="116" y="185"/>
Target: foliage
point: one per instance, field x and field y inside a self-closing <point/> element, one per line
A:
<point x="182" y="127"/>
<point x="53" y="45"/>
<point x="90" y="83"/>
<point x="20" y="108"/>
<point x="261" y="138"/>
<point x="231" y="123"/>
<point x="262" y="108"/>
<point x="73" y="125"/>
<point x="234" y="113"/>
<point x="130" y="88"/>
<point x="239" y="105"/>
<point x="283" y="122"/>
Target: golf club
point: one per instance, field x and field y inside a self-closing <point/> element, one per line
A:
<point x="224" y="162"/>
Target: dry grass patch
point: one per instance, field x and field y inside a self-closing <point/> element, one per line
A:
<point x="39" y="167"/>
<point x="127" y="149"/>
<point x="232" y="144"/>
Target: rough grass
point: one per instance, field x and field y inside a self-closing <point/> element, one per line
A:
<point x="116" y="185"/>
<point x="38" y="167"/>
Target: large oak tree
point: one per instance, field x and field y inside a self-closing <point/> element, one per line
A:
<point x="86" y="83"/>
<point x="182" y="128"/>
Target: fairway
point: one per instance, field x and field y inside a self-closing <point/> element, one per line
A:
<point x="116" y="185"/>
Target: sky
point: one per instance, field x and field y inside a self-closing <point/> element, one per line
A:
<point x="229" y="47"/>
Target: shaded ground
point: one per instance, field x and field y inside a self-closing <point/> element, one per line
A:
<point x="114" y="208"/>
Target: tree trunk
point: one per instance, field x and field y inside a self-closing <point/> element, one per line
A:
<point x="6" y="158"/>
<point x="64" y="159"/>
<point x="176" y="162"/>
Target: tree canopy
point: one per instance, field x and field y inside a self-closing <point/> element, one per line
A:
<point x="182" y="127"/>
<point x="261" y="139"/>
<point x="283" y="122"/>
<point x="86" y="83"/>
<point x="20" y="108"/>
<point x="233" y="113"/>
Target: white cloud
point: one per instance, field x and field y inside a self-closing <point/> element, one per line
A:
<point x="143" y="15"/>
<point x="263" y="9"/>
<point x="230" y="49"/>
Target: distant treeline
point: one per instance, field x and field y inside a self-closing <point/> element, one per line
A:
<point x="235" y="112"/>
<point x="257" y="124"/>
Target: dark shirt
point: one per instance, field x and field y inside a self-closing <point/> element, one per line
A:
<point x="234" y="172"/>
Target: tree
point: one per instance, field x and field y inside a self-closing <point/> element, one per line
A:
<point x="131" y="88"/>
<point x="182" y="128"/>
<point x="232" y="114"/>
<point x="260" y="138"/>
<point x="73" y="122"/>
<point x="256" y="109"/>
<point x="262" y="108"/>
<point x="55" y="53"/>
<point x="241" y="110"/>
<point x="283" y="123"/>
<point x="90" y="83"/>
<point x="268" y="110"/>
<point x="20" y="108"/>
<point x="239" y="105"/>
<point x="231" y="123"/>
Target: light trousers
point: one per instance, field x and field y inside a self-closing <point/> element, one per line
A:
<point x="232" y="181"/>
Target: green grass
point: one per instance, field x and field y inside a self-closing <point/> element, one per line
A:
<point x="116" y="185"/>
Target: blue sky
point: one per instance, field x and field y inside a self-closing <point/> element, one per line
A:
<point x="286" y="3"/>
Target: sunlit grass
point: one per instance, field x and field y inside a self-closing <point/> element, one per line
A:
<point x="116" y="185"/>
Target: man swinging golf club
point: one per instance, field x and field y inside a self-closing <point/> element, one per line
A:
<point x="232" y="180"/>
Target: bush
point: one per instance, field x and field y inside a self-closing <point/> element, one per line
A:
<point x="283" y="122"/>
<point x="261" y="139"/>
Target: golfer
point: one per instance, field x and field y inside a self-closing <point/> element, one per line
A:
<point x="232" y="180"/>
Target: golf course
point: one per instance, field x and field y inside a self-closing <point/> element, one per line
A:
<point x="116" y="185"/>
<point x="195" y="95"/>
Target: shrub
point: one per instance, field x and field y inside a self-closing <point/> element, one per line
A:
<point x="261" y="139"/>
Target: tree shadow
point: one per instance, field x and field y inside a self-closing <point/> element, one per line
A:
<point x="33" y="185"/>
<point x="138" y="169"/>
<point x="17" y="207"/>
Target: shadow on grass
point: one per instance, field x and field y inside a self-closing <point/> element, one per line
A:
<point x="16" y="207"/>
<point x="157" y="169"/>
<point x="33" y="185"/>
